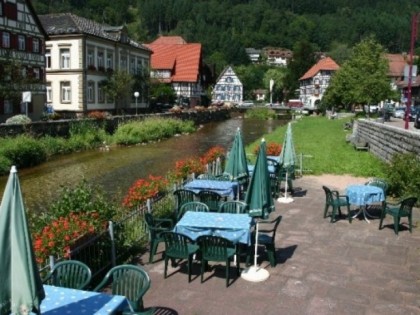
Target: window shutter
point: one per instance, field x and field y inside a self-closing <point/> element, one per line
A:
<point x="29" y="44"/>
<point x="1" y="106"/>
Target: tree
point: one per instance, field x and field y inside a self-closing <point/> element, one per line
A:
<point x="303" y="60"/>
<point x="362" y="79"/>
<point x="119" y="87"/>
<point x="278" y="75"/>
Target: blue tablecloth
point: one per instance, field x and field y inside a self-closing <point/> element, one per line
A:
<point x="64" y="301"/>
<point x="271" y="169"/>
<point x="234" y="227"/>
<point x="224" y="188"/>
<point x="362" y="195"/>
<point x="274" y="157"/>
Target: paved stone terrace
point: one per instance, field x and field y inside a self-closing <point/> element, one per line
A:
<point x="323" y="269"/>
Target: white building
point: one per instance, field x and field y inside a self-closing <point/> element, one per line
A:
<point x="315" y="81"/>
<point x="228" y="87"/>
<point x="80" y="56"/>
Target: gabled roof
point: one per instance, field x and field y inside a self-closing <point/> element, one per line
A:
<point x="181" y="59"/>
<point x="223" y="73"/>
<point x="324" y="64"/>
<point x="68" y="23"/>
<point x="169" y="40"/>
<point x="396" y="64"/>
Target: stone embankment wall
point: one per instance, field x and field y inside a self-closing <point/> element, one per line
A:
<point x="385" y="140"/>
<point x="61" y="127"/>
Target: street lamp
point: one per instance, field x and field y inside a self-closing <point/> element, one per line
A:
<point x="136" y="96"/>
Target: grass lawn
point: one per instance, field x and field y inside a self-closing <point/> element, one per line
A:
<point x="325" y="141"/>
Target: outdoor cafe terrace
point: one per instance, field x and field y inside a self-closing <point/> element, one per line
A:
<point x="323" y="267"/>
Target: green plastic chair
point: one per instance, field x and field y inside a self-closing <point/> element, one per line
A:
<point x="156" y="227"/>
<point x="69" y="274"/>
<point x="182" y="196"/>
<point x="398" y="211"/>
<point x="192" y="206"/>
<point x="179" y="246"/>
<point x="233" y="206"/>
<point x="336" y="201"/>
<point x="215" y="248"/>
<point x="211" y="199"/>
<point x="266" y="237"/>
<point x="130" y="281"/>
<point x="378" y="182"/>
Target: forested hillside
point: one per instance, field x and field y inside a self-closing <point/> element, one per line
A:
<point x="226" y="27"/>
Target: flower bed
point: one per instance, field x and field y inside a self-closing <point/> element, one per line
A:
<point x="60" y="235"/>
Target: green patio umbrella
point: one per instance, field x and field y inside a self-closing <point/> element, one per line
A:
<point x="236" y="165"/>
<point x="21" y="289"/>
<point x="287" y="159"/>
<point x="260" y="205"/>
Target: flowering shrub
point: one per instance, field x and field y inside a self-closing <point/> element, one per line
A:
<point x="57" y="238"/>
<point x="143" y="189"/>
<point x="188" y="166"/>
<point x="272" y="148"/>
<point x="212" y="155"/>
<point x="96" y="114"/>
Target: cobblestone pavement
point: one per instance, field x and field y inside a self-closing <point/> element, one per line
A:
<point x="324" y="268"/>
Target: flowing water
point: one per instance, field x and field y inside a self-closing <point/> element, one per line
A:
<point x="115" y="170"/>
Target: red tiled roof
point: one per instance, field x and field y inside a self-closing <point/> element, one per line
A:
<point x="396" y="64"/>
<point x="169" y="40"/>
<point x="183" y="60"/>
<point x="324" y="64"/>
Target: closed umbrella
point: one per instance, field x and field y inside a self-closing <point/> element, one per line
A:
<point x="260" y="205"/>
<point x="287" y="160"/>
<point x="236" y="165"/>
<point x="21" y="289"/>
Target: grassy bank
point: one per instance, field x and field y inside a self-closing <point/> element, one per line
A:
<point x="324" y="141"/>
<point x="27" y="151"/>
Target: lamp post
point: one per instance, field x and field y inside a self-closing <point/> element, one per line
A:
<point x="136" y="96"/>
<point x="414" y="23"/>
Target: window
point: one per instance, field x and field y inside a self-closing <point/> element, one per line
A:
<point x="101" y="94"/>
<point x="35" y="45"/>
<point x="90" y="58"/>
<point x="109" y="61"/>
<point x="132" y="65"/>
<point x="65" y="92"/>
<point x="49" y="92"/>
<point x="36" y="73"/>
<point x="91" y="92"/>
<point x="65" y="58"/>
<point x="21" y="42"/>
<point x="101" y="62"/>
<point x="8" y="107"/>
<point x="6" y="40"/>
<point x="123" y="63"/>
<point x="48" y="59"/>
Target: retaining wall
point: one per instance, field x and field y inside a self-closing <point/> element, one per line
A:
<point x="386" y="140"/>
<point x="61" y="127"/>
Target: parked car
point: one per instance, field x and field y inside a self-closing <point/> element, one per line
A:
<point x="413" y="112"/>
<point x="371" y="108"/>
<point x="245" y="104"/>
<point x="399" y="112"/>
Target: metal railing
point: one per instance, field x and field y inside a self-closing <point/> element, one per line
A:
<point x="122" y="239"/>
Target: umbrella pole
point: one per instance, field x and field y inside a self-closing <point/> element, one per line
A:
<point x="255" y="273"/>
<point x="285" y="199"/>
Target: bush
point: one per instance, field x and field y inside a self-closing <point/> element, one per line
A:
<point x="5" y="165"/>
<point x="151" y="129"/>
<point x="82" y="198"/>
<point x="23" y="151"/>
<point x="403" y="175"/>
<point x="18" y="119"/>
<point x="260" y="113"/>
